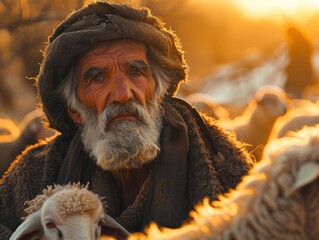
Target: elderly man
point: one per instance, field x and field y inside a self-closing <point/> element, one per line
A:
<point x="107" y="83"/>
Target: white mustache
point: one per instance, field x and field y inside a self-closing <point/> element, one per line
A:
<point x="117" y="109"/>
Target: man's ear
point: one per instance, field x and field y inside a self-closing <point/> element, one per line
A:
<point x="75" y="115"/>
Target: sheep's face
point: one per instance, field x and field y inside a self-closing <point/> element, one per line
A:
<point x="274" y="105"/>
<point x="67" y="212"/>
<point x="72" y="215"/>
<point x="80" y="226"/>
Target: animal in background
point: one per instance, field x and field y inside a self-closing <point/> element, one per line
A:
<point x="299" y="70"/>
<point x="29" y="131"/>
<point x="255" y="124"/>
<point x="303" y="113"/>
<point x="278" y="199"/>
<point x="67" y="212"/>
<point x="205" y="103"/>
<point x="8" y="128"/>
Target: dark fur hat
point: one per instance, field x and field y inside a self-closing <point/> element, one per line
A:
<point x="98" y="22"/>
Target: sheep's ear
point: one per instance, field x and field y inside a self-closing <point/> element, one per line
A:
<point x="111" y="227"/>
<point x="307" y="174"/>
<point x="30" y="228"/>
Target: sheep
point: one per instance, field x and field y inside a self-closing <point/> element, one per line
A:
<point x="294" y="120"/>
<point x="278" y="199"/>
<point x="67" y="212"/>
<point x="255" y="124"/>
<point x="27" y="132"/>
<point x="206" y="104"/>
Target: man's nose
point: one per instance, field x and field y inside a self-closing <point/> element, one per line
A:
<point x="121" y="91"/>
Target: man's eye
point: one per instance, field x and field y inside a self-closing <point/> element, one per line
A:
<point x="136" y="72"/>
<point x="97" y="78"/>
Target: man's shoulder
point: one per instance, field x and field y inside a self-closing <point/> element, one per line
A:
<point x="203" y="121"/>
<point x="30" y="158"/>
<point x="37" y="150"/>
<point x="36" y="153"/>
<point x="35" y="156"/>
<point x="44" y="149"/>
<point x="215" y="127"/>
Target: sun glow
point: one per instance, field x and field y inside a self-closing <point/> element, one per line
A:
<point x="277" y="9"/>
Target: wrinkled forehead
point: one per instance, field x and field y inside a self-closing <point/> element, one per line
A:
<point x="115" y="48"/>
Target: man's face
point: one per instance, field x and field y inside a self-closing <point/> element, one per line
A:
<point x="121" y="118"/>
<point x="112" y="72"/>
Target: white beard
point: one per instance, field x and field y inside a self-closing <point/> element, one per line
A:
<point x="126" y="143"/>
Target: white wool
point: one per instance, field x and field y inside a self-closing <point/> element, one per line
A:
<point x="278" y="199"/>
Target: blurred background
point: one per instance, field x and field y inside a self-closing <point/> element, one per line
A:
<point x="232" y="47"/>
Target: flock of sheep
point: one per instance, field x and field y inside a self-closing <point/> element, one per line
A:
<point x="278" y="199"/>
<point x="270" y="114"/>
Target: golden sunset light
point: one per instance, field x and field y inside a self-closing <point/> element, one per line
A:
<point x="159" y="119"/>
<point x="278" y="9"/>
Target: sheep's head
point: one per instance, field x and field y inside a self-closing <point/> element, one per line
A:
<point x="272" y="100"/>
<point x="65" y="212"/>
